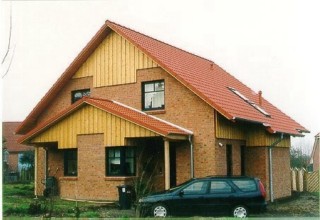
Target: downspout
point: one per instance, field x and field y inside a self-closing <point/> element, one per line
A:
<point x="270" y="166"/>
<point x="35" y="171"/>
<point x="191" y="157"/>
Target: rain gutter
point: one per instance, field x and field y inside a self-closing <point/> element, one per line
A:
<point x="270" y="166"/>
<point x="191" y="157"/>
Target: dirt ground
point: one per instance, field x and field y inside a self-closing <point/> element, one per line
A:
<point x="299" y="205"/>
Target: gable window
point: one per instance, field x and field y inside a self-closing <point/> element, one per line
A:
<point x="120" y="161"/>
<point x="153" y="95"/>
<point x="78" y="94"/>
<point x="70" y="162"/>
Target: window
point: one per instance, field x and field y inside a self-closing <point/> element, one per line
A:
<point x="220" y="187"/>
<point x="153" y="95"/>
<point x="78" y="94"/>
<point x="196" y="188"/>
<point x="70" y="162"/>
<point x="120" y="161"/>
<point x="246" y="185"/>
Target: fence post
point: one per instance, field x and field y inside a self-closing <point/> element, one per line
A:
<point x="300" y="180"/>
<point x="293" y="180"/>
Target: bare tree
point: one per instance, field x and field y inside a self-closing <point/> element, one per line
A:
<point x="9" y="49"/>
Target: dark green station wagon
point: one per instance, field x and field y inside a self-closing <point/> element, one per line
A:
<point x="214" y="195"/>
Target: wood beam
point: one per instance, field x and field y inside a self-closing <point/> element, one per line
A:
<point x="167" y="164"/>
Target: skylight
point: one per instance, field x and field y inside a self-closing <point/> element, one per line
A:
<point x="244" y="98"/>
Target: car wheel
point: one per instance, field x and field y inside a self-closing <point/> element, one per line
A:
<point x="240" y="212"/>
<point x="160" y="210"/>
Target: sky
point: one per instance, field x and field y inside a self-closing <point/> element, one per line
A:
<point x="270" y="45"/>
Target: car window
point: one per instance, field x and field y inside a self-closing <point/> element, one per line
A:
<point x="196" y="188"/>
<point x="220" y="187"/>
<point x="246" y="185"/>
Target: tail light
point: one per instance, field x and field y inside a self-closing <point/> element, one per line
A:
<point x="262" y="189"/>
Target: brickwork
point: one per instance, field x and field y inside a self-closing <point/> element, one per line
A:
<point x="182" y="107"/>
<point x="257" y="164"/>
<point x="40" y="169"/>
<point x="281" y="172"/>
<point x="13" y="160"/>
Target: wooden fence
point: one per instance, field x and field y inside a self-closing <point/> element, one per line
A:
<point x="301" y="180"/>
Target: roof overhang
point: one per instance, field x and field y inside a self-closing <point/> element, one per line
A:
<point x="159" y="126"/>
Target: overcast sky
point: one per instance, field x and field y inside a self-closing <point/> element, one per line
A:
<point x="270" y="45"/>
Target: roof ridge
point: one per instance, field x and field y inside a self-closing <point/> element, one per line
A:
<point x="160" y="41"/>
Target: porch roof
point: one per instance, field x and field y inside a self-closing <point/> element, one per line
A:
<point x="149" y="122"/>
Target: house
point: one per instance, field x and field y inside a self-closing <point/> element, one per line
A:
<point x="12" y="150"/>
<point x="128" y="99"/>
<point x="314" y="160"/>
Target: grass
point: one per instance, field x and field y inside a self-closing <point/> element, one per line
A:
<point x="19" y="201"/>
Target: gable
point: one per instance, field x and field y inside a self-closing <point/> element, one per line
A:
<point x="132" y="50"/>
<point x="114" y="62"/>
<point x="91" y="120"/>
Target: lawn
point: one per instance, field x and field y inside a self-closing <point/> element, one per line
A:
<point x="19" y="200"/>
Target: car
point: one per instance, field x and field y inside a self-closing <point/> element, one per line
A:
<point x="213" y="195"/>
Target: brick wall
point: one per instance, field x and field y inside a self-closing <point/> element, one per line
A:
<point x="281" y="172"/>
<point x="183" y="108"/>
<point x="257" y="160"/>
<point x="13" y="160"/>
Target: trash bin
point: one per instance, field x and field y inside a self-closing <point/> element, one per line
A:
<point x="51" y="186"/>
<point x="125" y="196"/>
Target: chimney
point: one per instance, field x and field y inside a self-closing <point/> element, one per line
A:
<point x="260" y="97"/>
<point x="211" y="66"/>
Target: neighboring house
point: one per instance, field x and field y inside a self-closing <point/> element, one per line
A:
<point x="128" y="98"/>
<point x="12" y="150"/>
<point x="314" y="160"/>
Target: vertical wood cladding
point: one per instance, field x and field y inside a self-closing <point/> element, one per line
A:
<point x="114" y="62"/>
<point x="254" y="135"/>
<point x="91" y="120"/>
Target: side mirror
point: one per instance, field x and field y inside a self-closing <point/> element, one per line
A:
<point x="181" y="193"/>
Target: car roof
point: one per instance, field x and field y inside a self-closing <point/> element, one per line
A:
<point x="213" y="177"/>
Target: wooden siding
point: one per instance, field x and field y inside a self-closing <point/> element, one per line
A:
<point x="91" y="120"/>
<point x="114" y="62"/>
<point x="254" y="135"/>
<point x="228" y="129"/>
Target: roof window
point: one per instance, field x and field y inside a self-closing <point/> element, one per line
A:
<point x="244" y="98"/>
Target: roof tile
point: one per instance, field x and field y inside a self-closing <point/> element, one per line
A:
<point x="202" y="76"/>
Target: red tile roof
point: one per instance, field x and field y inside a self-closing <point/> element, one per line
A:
<point x="202" y="76"/>
<point x="11" y="143"/>
<point x="149" y="122"/>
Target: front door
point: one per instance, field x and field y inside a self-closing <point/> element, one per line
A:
<point x="229" y="159"/>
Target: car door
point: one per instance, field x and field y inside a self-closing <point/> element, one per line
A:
<point x="219" y="198"/>
<point x="190" y="199"/>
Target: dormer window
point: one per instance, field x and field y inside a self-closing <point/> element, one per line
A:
<point x="254" y="105"/>
<point x="78" y="94"/>
<point x="153" y="95"/>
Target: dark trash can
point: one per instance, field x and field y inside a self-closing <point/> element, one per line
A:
<point x="51" y="186"/>
<point x="126" y="195"/>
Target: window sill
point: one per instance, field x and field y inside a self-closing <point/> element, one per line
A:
<point x="155" y="112"/>
<point x="69" y="178"/>
<point x="118" y="178"/>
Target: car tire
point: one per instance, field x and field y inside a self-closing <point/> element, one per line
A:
<point x="240" y="211"/>
<point x="159" y="210"/>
